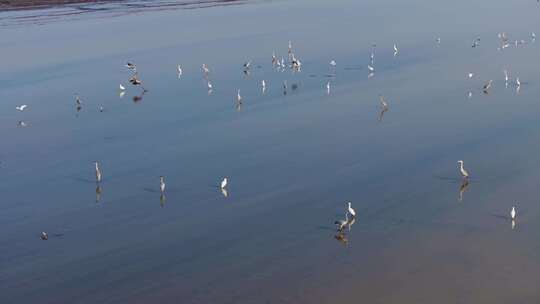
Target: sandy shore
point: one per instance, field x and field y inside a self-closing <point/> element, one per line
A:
<point x="25" y="4"/>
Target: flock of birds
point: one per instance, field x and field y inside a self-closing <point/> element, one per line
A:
<point x="295" y="65"/>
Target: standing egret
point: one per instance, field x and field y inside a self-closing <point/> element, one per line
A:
<point x="223" y="183"/>
<point x="396" y="51"/>
<point x="162" y="185"/>
<point x="98" y="172"/>
<point x="122" y="88"/>
<point x="471" y="75"/>
<point x="384" y="104"/>
<point x="333" y="63"/>
<point x="179" y="68"/>
<point x="205" y="69"/>
<point x="263" y="84"/>
<point x="238" y="97"/>
<point x="351" y="210"/>
<point x="464" y="172"/>
<point x="328" y="88"/>
<point x="513" y="213"/>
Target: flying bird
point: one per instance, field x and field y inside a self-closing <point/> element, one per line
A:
<point x="21" y="107"/>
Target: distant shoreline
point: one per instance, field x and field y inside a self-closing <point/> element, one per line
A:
<point x="6" y="5"/>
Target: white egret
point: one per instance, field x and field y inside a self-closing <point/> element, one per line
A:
<point x="351" y="210"/>
<point x="464" y="172"/>
<point x="238" y="97"/>
<point x="98" y="172"/>
<point x="396" y="51"/>
<point x="333" y="63"/>
<point x="513" y="213"/>
<point x="162" y="185"/>
<point x="223" y="183"/>
<point x="122" y="88"/>
<point x="179" y="68"/>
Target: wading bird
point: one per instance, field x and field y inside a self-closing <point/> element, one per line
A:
<point x="351" y="210"/>
<point x="464" y="172"/>
<point x="98" y="172"/>
<point x="162" y="185"/>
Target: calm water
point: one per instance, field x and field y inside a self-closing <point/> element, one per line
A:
<point x="293" y="160"/>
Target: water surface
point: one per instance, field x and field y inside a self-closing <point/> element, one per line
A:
<point x="293" y="160"/>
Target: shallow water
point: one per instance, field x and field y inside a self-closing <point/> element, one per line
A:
<point x="293" y="160"/>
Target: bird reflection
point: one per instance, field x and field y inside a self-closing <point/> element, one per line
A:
<point x="162" y="200"/>
<point x="513" y="224"/>
<point x="463" y="188"/>
<point x="341" y="237"/>
<point x="121" y="94"/>
<point x="342" y="223"/>
<point x="350" y="223"/>
<point x="139" y="97"/>
<point x="224" y="192"/>
<point x="98" y="193"/>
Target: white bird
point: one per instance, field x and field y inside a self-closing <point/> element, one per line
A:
<point x="333" y="63"/>
<point x="78" y="100"/>
<point x="22" y="124"/>
<point x="247" y="65"/>
<point x="470" y="75"/>
<point x="101" y="109"/>
<point x="371" y="68"/>
<point x="209" y="84"/>
<point x="384" y="104"/>
<point x="274" y="58"/>
<point x="98" y="172"/>
<point x="205" y="69"/>
<point x="328" y="88"/>
<point x="395" y="50"/>
<point x="162" y="184"/>
<point x="506" y="77"/>
<point x="179" y="68"/>
<point x="224" y="183"/>
<point x="518" y="83"/>
<point x="263" y="84"/>
<point x="513" y="213"/>
<point x="351" y="210"/>
<point x="238" y="97"/>
<point x="122" y="88"/>
<point x="21" y="107"/>
<point x="464" y="172"/>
